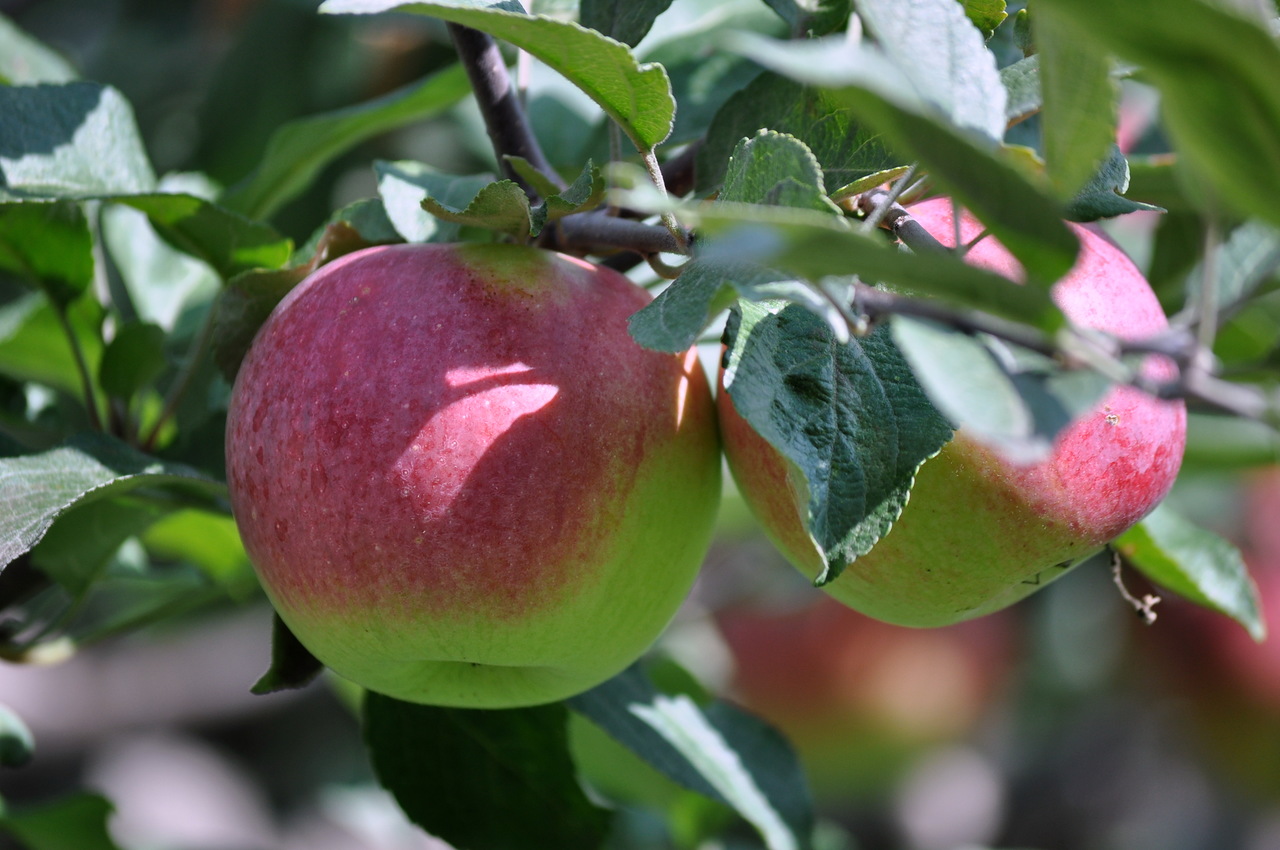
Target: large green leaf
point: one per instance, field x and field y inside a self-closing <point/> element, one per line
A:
<point x="637" y="96"/>
<point x="298" y="151"/>
<point x="716" y="750"/>
<point x="849" y="415"/>
<point x="34" y="342"/>
<point x="1018" y="213"/>
<point x="36" y="489"/>
<point x="72" y="140"/>
<point x="1217" y="73"/>
<point x="1078" y="122"/>
<point x="78" y="822"/>
<point x="1195" y="563"/>
<point x="943" y="57"/>
<point x="482" y="779"/>
<point x="813" y="245"/>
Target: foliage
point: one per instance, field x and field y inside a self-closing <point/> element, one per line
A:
<point x="127" y="300"/>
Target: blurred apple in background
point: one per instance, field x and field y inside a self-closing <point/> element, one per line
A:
<point x="859" y="698"/>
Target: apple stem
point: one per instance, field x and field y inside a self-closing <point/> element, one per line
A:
<point x="1144" y="607"/>
<point x="504" y="117"/>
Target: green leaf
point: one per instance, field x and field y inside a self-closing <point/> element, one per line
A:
<point x="17" y="744"/>
<point x="299" y="150"/>
<point x="1021" y="81"/>
<point x="1017" y="402"/>
<point x="226" y="240"/>
<point x="1250" y="255"/>
<point x="1195" y="51"/>
<point x="1078" y="122"/>
<point x="84" y="538"/>
<point x="35" y="490"/>
<point x="985" y="14"/>
<point x="204" y="539"/>
<point x="133" y="359"/>
<point x="1017" y="212"/>
<point x="1195" y="563"/>
<point x="811" y="245"/>
<point x="850" y="416"/>
<point x="78" y="822"/>
<point x="25" y="61"/>
<point x="241" y="309"/>
<point x="49" y="245"/>
<point x="778" y="170"/>
<point x="405" y="185"/>
<point x="33" y="340"/>
<point x="292" y="664"/>
<point x="502" y="206"/>
<point x="716" y="750"/>
<point x="480" y="779"/>
<point x="585" y="193"/>
<point x="943" y="57"/>
<point x="674" y="320"/>
<point x="360" y="224"/>
<point x="846" y="150"/>
<point x="637" y="96"/>
<point x="1103" y="195"/>
<point x="701" y="81"/>
<point x="69" y="141"/>
<point x="627" y="21"/>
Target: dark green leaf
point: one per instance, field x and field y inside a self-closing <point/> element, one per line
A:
<point x="845" y="150"/>
<point x="241" y="309"/>
<point x="1249" y="257"/>
<point x="637" y="96"/>
<point x="36" y="489"/>
<point x="69" y="141"/>
<point x="1103" y="195"/>
<point x="299" y="150"/>
<point x="17" y="744"/>
<point x="227" y="241"/>
<point x="985" y="14"/>
<point x="47" y="244"/>
<point x="1078" y="122"/>
<point x="585" y="193"/>
<point x="674" y="320"/>
<point x="701" y="79"/>
<point x="292" y="664"/>
<point x="717" y="750"/>
<point x="367" y="223"/>
<point x="85" y="537"/>
<point x="850" y="416"/>
<point x="1217" y="73"/>
<point x="943" y="58"/>
<point x="25" y="61"/>
<point x="626" y="20"/>
<point x="812" y="17"/>
<point x="1018" y="213"/>
<point x="502" y="206"/>
<point x="78" y="822"/>
<point x="480" y="779"/>
<point x="1195" y="563"/>
<point x="405" y="185"/>
<point x="133" y="359"/>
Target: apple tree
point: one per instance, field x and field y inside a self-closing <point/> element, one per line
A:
<point x="885" y="235"/>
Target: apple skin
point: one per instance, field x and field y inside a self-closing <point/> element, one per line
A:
<point x="459" y="479"/>
<point x="981" y="532"/>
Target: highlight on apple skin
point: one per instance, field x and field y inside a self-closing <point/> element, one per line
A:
<point x="979" y="531"/>
<point x="459" y="479"/>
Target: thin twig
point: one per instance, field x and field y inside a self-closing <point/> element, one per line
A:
<point x="82" y="366"/>
<point x="880" y="201"/>
<point x="182" y="383"/>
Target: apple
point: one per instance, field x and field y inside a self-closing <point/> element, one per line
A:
<point x="861" y="699"/>
<point x="459" y="479"/>
<point x="980" y="531"/>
